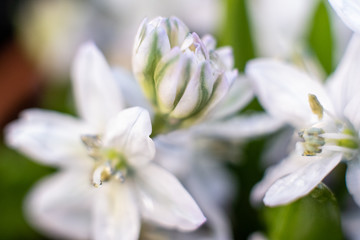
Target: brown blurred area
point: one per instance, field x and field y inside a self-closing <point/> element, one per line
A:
<point x="19" y="80"/>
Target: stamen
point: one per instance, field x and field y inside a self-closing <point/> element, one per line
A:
<point x="101" y="174"/>
<point x="312" y="141"/>
<point x="315" y="106"/>
<point x="93" y="145"/>
<point x="109" y="162"/>
<point x="119" y="176"/>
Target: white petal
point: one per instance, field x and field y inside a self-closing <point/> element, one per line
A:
<point x="283" y="91"/>
<point x="171" y="76"/>
<point x="220" y="90"/>
<point x="299" y="183"/>
<point x="353" y="179"/>
<point x="352" y="112"/>
<point x="115" y="213"/>
<point x="173" y="152"/>
<point x="273" y="173"/>
<point x="238" y="96"/>
<point x="197" y="91"/>
<point x="226" y="56"/>
<point x="97" y="95"/>
<point x="239" y="127"/>
<point x="144" y="54"/>
<point x="60" y="205"/>
<point x="130" y="89"/>
<point x="217" y="225"/>
<point x="165" y="201"/>
<point x="49" y="137"/>
<point x="129" y="133"/>
<point x="345" y="82"/>
<point x="349" y="12"/>
<point x="209" y="42"/>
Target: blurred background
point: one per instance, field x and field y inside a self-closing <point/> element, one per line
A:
<point x="38" y="39"/>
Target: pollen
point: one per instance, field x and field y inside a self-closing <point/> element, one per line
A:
<point x="315" y="106"/>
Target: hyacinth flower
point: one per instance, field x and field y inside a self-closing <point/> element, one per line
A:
<point x="110" y="146"/>
<point x="325" y="116"/>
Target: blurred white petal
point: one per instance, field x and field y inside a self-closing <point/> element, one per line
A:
<point x="283" y="90"/>
<point x="353" y="179"/>
<point x="238" y="96"/>
<point x="97" y="95"/>
<point x="130" y="89"/>
<point x="49" y="137"/>
<point x="226" y="56"/>
<point x="165" y="201"/>
<point x="115" y="213"/>
<point x="129" y="133"/>
<point x="352" y="111"/>
<point x="60" y="205"/>
<point x="300" y="182"/>
<point x="343" y="85"/>
<point x="239" y="127"/>
<point x="349" y="12"/>
<point x="273" y="173"/>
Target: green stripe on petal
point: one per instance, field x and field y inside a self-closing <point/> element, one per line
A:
<point x="186" y="79"/>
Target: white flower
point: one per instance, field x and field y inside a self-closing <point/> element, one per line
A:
<point x="326" y="118"/>
<point x="182" y="75"/>
<point x="111" y="147"/>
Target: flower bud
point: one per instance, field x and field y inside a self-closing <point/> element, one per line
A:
<point x="153" y="40"/>
<point x="184" y="77"/>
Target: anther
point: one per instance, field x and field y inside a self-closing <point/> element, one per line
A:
<point x="315" y="106"/>
<point x="93" y="144"/>
<point x="312" y="141"/>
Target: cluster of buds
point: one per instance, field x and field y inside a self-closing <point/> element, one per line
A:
<point x="183" y="75"/>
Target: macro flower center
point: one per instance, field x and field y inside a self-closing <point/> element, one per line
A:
<point x="109" y="163"/>
<point x="332" y="134"/>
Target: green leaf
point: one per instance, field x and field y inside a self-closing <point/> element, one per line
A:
<point x="315" y="216"/>
<point x="320" y="37"/>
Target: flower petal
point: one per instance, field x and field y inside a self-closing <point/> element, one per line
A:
<point x="115" y="213"/>
<point x="352" y="112"/>
<point x="129" y="133"/>
<point x="165" y="201"/>
<point x="97" y="95"/>
<point x="171" y="76"/>
<point x="353" y="178"/>
<point x="238" y="96"/>
<point x="344" y="83"/>
<point x="221" y="88"/>
<point x="239" y="127"/>
<point x="349" y="12"/>
<point x="60" y="205"/>
<point x="273" y="173"/>
<point x="226" y="57"/>
<point x="130" y="89"/>
<point x="302" y="181"/>
<point x="49" y="137"/>
<point x="283" y="90"/>
<point x="197" y="92"/>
